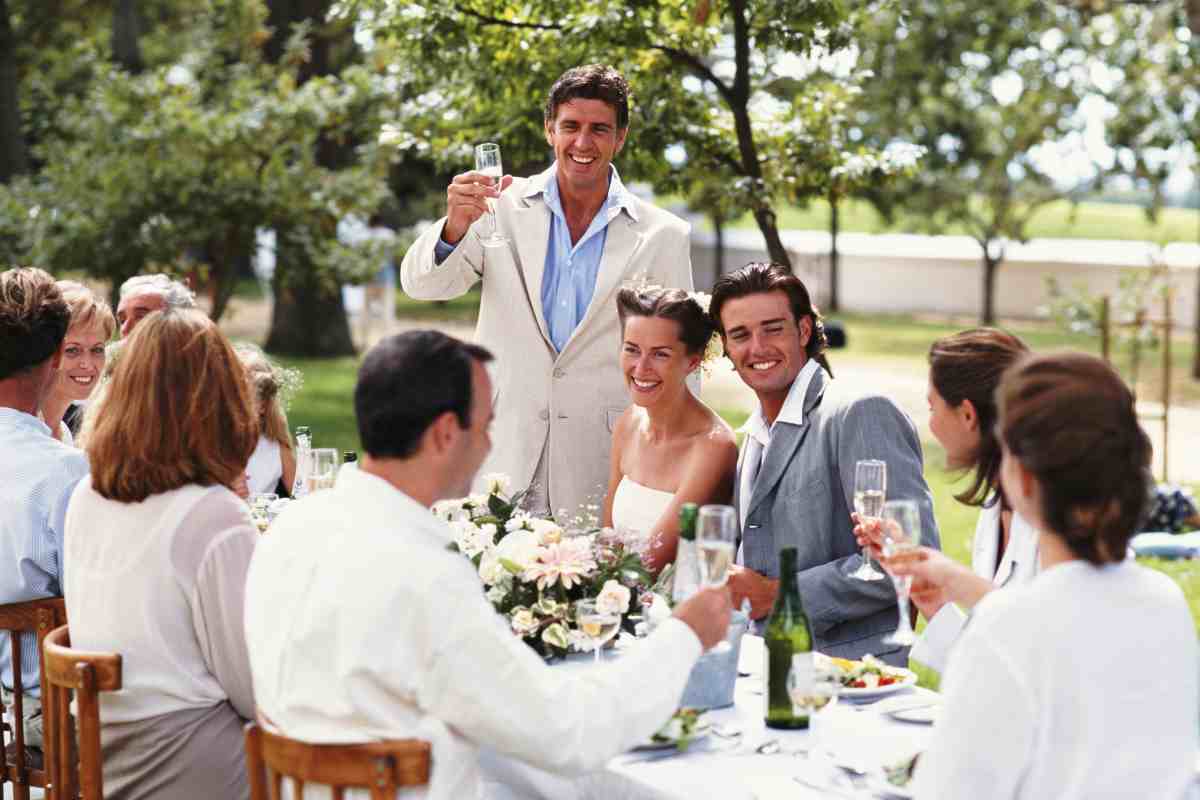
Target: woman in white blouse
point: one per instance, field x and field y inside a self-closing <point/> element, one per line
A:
<point x="272" y="466"/>
<point x="1081" y="684"/>
<point x="964" y="371"/>
<point x="83" y="356"/>
<point x="156" y="553"/>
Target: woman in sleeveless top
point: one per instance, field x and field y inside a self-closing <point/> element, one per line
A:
<point x="668" y="448"/>
<point x="964" y="371"/>
<point x="156" y="552"/>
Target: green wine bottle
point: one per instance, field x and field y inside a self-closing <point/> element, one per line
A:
<point x="789" y="647"/>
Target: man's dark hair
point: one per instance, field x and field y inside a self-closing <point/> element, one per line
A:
<point x="33" y="319"/>
<point x="759" y="277"/>
<point x="590" y="82"/>
<point x="406" y="382"/>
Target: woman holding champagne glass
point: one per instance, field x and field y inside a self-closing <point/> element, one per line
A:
<point x="964" y="371"/>
<point x="1082" y="683"/>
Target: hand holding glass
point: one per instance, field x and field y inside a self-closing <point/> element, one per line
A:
<point x="597" y="625"/>
<point x="487" y="161"/>
<point x="901" y="533"/>
<point x="870" y="491"/>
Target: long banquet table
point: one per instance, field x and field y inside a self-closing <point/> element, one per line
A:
<point x="730" y="768"/>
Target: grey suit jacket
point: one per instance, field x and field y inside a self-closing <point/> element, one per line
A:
<point x="803" y="498"/>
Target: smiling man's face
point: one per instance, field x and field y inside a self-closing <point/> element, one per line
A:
<point x="585" y="138"/>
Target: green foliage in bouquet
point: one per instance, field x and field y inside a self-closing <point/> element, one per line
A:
<point x="533" y="570"/>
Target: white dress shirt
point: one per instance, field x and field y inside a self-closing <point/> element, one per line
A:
<point x="1017" y="566"/>
<point x="758" y="438"/>
<point x="363" y="626"/>
<point x="1081" y="684"/>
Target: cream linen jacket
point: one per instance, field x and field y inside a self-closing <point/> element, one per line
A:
<point x="571" y="399"/>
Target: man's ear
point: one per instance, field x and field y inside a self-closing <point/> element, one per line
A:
<point x="621" y="134"/>
<point x="442" y="434"/>
<point x="806" y="328"/>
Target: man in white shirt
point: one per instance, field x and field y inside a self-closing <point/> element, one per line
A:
<point x="362" y="625"/>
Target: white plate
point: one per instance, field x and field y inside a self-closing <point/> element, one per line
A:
<point x="926" y="715"/>
<point x="699" y="732"/>
<point x="910" y="679"/>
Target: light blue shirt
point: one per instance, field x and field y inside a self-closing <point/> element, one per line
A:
<point x="39" y="475"/>
<point x="569" y="278"/>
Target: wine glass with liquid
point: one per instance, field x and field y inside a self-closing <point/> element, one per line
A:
<point x="870" y="492"/>
<point x="716" y="544"/>
<point x="901" y="534"/>
<point x="487" y="161"/>
<point x="597" y="624"/>
<point x="321" y="469"/>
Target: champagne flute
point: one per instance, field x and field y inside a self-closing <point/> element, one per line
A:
<point x="901" y="533"/>
<point x="260" y="505"/>
<point x="487" y="161"/>
<point x="814" y="687"/>
<point x="870" y="491"/>
<point x="716" y="537"/>
<point x="597" y="624"/>
<point x="321" y="469"/>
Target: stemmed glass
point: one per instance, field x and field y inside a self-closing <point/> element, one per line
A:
<point x="597" y="625"/>
<point x="260" y="509"/>
<point x="320" y="469"/>
<point x="870" y="491"/>
<point x="487" y="161"/>
<point x="901" y="533"/>
<point x="716" y="537"/>
<point x="815" y="689"/>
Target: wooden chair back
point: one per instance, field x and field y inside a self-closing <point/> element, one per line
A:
<point x="86" y="674"/>
<point x="380" y="767"/>
<point x="37" y="617"/>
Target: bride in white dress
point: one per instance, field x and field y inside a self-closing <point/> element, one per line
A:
<point x="668" y="448"/>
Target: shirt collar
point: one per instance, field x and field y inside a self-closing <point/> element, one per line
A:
<point x="618" y="199"/>
<point x="388" y="503"/>
<point x="793" y="406"/>
<point x="21" y="420"/>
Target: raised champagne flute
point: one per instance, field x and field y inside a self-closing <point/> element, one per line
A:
<point x="901" y="533"/>
<point x="487" y="161"/>
<point x="716" y="542"/>
<point x="597" y="624"/>
<point x="870" y="491"/>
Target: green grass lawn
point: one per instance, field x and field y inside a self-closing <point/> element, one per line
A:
<point x="1056" y="221"/>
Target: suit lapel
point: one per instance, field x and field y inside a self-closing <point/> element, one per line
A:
<point x="785" y="440"/>
<point x="532" y="227"/>
<point x="620" y="244"/>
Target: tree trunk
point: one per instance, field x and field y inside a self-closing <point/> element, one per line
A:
<point x="308" y="318"/>
<point x="834" y="255"/>
<point x="718" y="248"/>
<point x="126" y="30"/>
<point x="990" y="265"/>
<point x="14" y="157"/>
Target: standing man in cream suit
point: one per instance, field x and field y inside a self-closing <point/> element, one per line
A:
<point x="548" y="310"/>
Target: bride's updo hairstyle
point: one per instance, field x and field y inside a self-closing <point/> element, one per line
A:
<point x="1070" y="421"/>
<point x="695" y="326"/>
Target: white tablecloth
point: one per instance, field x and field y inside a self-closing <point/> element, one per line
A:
<point x="716" y="767"/>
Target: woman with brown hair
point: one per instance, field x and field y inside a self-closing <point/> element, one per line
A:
<point x="158" y="547"/>
<point x="83" y="357"/>
<point x="1081" y="684"/>
<point x="964" y="371"/>
<point x="668" y="448"/>
<point x="272" y="466"/>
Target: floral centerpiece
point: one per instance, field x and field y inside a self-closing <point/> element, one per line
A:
<point x="534" y="569"/>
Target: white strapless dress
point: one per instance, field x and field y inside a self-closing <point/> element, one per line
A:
<point x="637" y="507"/>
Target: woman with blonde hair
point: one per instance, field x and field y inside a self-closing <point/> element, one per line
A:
<point x="83" y="357"/>
<point x="272" y="466"/>
<point x="158" y="547"/>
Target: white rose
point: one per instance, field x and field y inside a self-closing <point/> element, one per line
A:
<point x="523" y="621"/>
<point x="613" y="598"/>
<point x="491" y="572"/>
<point x="519" y="548"/>
<point x="468" y="538"/>
<point x="497" y="483"/>
<point x="518" y="521"/>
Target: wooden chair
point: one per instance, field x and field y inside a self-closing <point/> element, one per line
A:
<point x="37" y="617"/>
<point x="87" y="674"/>
<point x="381" y="767"/>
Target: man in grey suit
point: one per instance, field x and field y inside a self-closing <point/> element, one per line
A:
<point x="795" y="480"/>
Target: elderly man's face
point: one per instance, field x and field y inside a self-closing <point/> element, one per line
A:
<point x="133" y="308"/>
